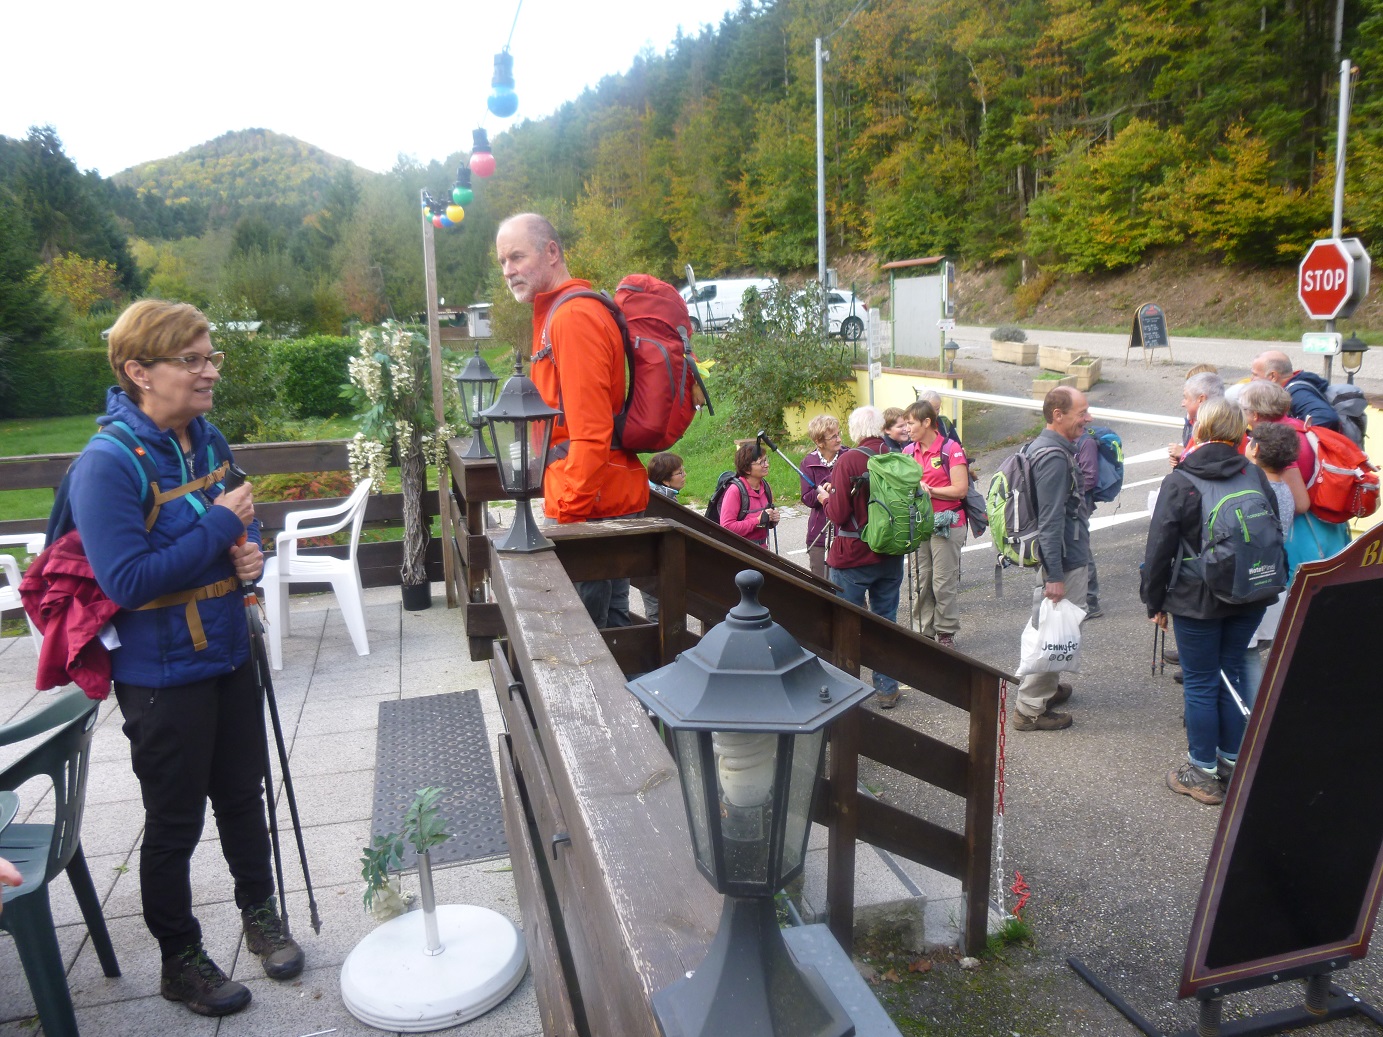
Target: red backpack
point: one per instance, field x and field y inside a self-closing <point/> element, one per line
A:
<point x="1344" y="484"/>
<point x="664" y="386"/>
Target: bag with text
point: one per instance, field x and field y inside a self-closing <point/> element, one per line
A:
<point x="1052" y="643"/>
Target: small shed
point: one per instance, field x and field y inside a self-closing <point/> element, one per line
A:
<point x="921" y="294"/>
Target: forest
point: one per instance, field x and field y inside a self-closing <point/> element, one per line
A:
<point x="1048" y="136"/>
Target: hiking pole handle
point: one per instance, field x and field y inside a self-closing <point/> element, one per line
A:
<point x="235" y="478"/>
<point x="763" y="436"/>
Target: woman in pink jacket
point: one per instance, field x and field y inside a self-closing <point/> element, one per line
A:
<point x="759" y="516"/>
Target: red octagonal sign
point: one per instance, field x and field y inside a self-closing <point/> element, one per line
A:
<point x="1327" y="282"/>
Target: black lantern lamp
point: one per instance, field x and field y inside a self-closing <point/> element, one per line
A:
<point x="748" y="709"/>
<point x="1352" y="352"/>
<point x="520" y="425"/>
<point x="950" y="348"/>
<point x="477" y="385"/>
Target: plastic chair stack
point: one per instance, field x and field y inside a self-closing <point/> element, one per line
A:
<point x="287" y="566"/>
<point x="41" y="851"/>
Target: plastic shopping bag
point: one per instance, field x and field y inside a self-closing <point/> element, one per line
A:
<point x="1052" y="645"/>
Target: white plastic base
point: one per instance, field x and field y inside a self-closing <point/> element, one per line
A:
<point x="390" y="981"/>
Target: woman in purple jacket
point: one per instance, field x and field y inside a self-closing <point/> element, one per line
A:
<point x="824" y="431"/>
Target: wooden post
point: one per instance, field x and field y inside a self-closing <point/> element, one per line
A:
<point x="434" y="342"/>
<point x="979" y="809"/>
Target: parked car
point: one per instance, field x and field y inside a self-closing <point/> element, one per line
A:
<point x="846" y="314"/>
<point x="716" y="303"/>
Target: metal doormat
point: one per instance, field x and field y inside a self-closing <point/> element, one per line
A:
<point x="439" y="740"/>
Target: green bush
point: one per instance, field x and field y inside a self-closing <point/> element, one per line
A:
<point x="247" y="409"/>
<point x="59" y="383"/>
<point x="311" y="373"/>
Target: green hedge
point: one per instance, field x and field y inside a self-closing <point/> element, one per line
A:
<point x="59" y="383"/>
<point x="311" y="373"/>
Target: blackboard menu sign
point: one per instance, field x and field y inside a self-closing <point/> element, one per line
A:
<point x="1293" y="883"/>
<point x="1150" y="328"/>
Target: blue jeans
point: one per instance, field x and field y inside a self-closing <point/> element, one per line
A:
<point x="1213" y="719"/>
<point x="880" y="583"/>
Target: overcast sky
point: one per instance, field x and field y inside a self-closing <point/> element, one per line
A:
<point x="124" y="83"/>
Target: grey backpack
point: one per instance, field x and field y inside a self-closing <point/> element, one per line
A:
<point x="1242" y="559"/>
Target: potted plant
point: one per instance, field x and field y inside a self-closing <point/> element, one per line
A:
<point x="1009" y="344"/>
<point x="434" y="968"/>
<point x="390" y="388"/>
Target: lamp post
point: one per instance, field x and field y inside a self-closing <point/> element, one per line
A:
<point x="520" y="425"/>
<point x="950" y="349"/>
<point x="1352" y="352"/>
<point x="477" y="385"/>
<point x="747" y="709"/>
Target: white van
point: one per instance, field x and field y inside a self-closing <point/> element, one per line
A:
<point x="714" y="304"/>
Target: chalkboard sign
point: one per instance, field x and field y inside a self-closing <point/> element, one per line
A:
<point x="1149" y="332"/>
<point x="1293" y="879"/>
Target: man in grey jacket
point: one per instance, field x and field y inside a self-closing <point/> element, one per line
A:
<point x="1063" y="538"/>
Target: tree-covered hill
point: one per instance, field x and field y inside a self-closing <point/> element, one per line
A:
<point x="245" y="170"/>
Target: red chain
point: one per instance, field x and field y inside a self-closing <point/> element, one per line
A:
<point x="1020" y="890"/>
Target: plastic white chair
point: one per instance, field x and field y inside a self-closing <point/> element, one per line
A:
<point x="9" y="565"/>
<point x="286" y="566"/>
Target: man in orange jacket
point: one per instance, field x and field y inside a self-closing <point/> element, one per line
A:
<point x="579" y="368"/>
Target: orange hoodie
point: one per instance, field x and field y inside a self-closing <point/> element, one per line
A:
<point x="592" y="480"/>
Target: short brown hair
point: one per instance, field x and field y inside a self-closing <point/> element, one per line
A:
<point x="1278" y="445"/>
<point x="922" y="410"/>
<point x="746" y="454"/>
<point x="152" y="328"/>
<point x="891" y="415"/>
<point x="662" y="467"/>
<point x="1058" y="399"/>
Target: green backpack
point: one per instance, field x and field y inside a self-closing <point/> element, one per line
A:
<point x="899" y="517"/>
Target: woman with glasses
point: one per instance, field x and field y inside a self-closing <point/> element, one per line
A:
<point x="747" y="507"/>
<point x="824" y="431"/>
<point x="173" y="556"/>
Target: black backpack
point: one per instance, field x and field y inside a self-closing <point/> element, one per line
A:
<point x="722" y="484"/>
<point x="1242" y="559"/>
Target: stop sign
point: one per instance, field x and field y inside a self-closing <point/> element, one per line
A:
<point x="1333" y="278"/>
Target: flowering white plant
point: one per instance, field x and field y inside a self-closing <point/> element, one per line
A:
<point x="390" y="387"/>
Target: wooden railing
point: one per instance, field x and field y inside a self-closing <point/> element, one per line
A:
<point x="597" y="828"/>
<point x="379" y="562"/>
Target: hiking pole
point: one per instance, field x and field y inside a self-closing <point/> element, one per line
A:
<point x="763" y="436"/>
<point x="235" y="475"/>
<point x="1237" y="700"/>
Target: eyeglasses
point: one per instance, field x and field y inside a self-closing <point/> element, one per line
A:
<point x="194" y="362"/>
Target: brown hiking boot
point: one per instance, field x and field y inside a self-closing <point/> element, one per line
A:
<point x="264" y="936"/>
<point x="1063" y="692"/>
<point x="1051" y="720"/>
<point x="1190" y="780"/>
<point x="194" y="979"/>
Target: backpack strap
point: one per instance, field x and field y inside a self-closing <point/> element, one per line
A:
<point x="219" y="589"/>
<point x="545" y="352"/>
<point x="863" y="477"/>
<point x="149" y="491"/>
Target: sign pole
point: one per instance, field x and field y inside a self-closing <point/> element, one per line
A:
<point x="1337" y="222"/>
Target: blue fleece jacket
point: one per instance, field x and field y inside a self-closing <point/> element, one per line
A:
<point x="187" y="548"/>
<point x="1308" y="400"/>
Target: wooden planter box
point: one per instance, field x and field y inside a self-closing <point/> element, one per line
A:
<point x="1042" y="386"/>
<point x="1057" y="358"/>
<point x="1086" y="371"/>
<point x="1024" y="353"/>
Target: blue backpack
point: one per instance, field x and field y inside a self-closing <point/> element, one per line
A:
<point x="1109" y="478"/>
<point x="60" y="519"/>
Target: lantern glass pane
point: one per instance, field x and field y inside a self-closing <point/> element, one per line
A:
<point x="694" y="791"/>
<point x="509" y="453"/>
<point x="746" y="771"/>
<point x="806" y="768"/>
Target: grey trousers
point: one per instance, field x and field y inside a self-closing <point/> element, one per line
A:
<point x="1037" y="689"/>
